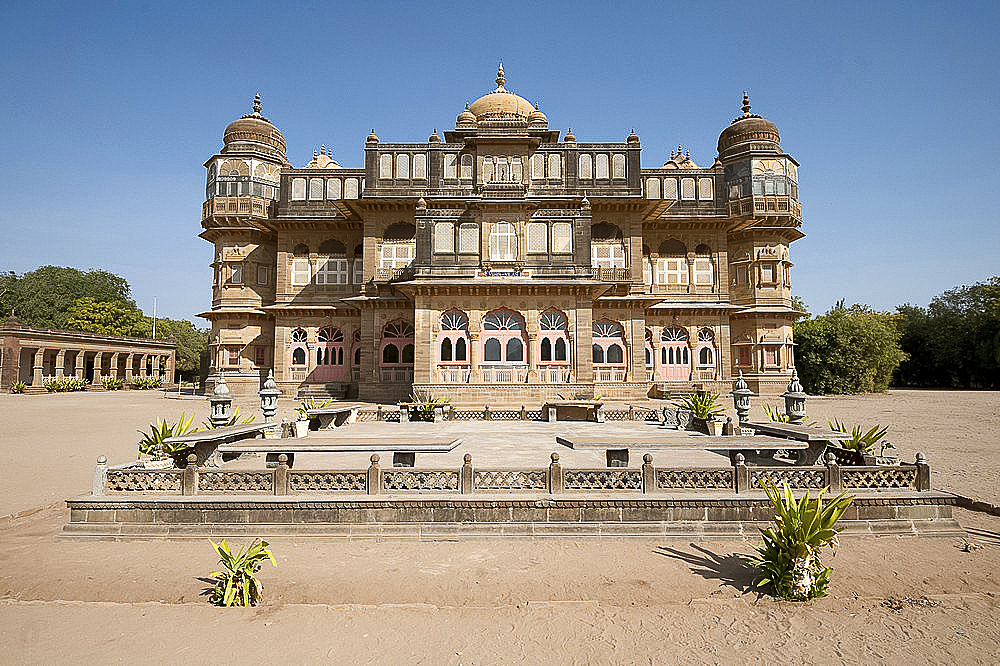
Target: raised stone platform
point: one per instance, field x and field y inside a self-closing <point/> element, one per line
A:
<point x="687" y="514"/>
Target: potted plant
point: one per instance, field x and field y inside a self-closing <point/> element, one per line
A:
<point x="159" y="454"/>
<point x="427" y="407"/>
<point x="704" y="408"/>
<point x="300" y="427"/>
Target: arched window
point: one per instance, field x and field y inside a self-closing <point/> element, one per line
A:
<point x="553" y="338"/>
<point x="503" y="337"/>
<point x="706" y="347"/>
<point x="649" y="349"/>
<point x="607" y="246"/>
<point x="608" y="351"/>
<point x="356" y="343"/>
<point x="453" y="338"/>
<point x="298" y="348"/>
<point x="331" y="264"/>
<point x="330" y="354"/>
<point x="675" y="355"/>
<point x="704" y="271"/>
<point x="397" y="343"/>
<point x="672" y="266"/>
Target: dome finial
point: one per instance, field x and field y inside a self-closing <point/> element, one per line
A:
<point x="746" y="102"/>
<point x="256" y="103"/>
<point x="500" y="77"/>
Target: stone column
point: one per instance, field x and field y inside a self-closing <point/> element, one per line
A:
<point x="38" y="364"/>
<point x="690" y="269"/>
<point x="113" y="370"/>
<point x="531" y="355"/>
<point x="60" y="363"/>
<point x="474" y="375"/>
<point x="637" y="342"/>
<point x="584" y="342"/>
<point x="128" y="367"/>
<point x="98" y="361"/>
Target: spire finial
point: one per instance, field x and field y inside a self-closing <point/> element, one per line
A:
<point x="322" y="149"/>
<point x="256" y="103"/>
<point x="746" y="102"/>
<point x="500" y="77"/>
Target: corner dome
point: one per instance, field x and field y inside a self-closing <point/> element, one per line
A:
<point x="748" y="129"/>
<point x="254" y="132"/>
<point x="537" y="119"/>
<point x="501" y="103"/>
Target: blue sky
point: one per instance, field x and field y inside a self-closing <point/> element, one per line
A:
<point x="110" y="110"/>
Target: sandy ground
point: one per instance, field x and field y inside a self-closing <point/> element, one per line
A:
<point x="897" y="599"/>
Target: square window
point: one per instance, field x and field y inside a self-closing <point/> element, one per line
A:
<point x="262" y="275"/>
<point x="537" y="233"/>
<point x="301" y="271"/>
<point x="233" y="355"/>
<point x="260" y="356"/>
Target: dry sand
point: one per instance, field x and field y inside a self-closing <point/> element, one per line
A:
<point x="897" y="599"/>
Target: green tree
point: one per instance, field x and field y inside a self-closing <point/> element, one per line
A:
<point x="955" y="341"/>
<point x="191" y="342"/>
<point x="848" y="350"/>
<point x="109" y="318"/>
<point x="42" y="298"/>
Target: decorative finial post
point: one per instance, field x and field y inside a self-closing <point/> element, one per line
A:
<point x="269" y="404"/>
<point x="746" y="102"/>
<point x="500" y="77"/>
<point x="221" y="401"/>
<point x="795" y="400"/>
<point x="256" y="104"/>
<point x="741" y="398"/>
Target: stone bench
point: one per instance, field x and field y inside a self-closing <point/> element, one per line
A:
<point x="817" y="439"/>
<point x="748" y="445"/>
<point x="408" y="447"/>
<point x="333" y="415"/>
<point x="206" y="443"/>
<point x="552" y="411"/>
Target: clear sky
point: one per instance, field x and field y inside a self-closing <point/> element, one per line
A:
<point x="109" y="111"/>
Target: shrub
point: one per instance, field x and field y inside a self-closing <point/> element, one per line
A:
<point x="233" y="420"/>
<point x="144" y="383"/>
<point x="701" y="405"/>
<point x="112" y="383"/>
<point x="64" y="384"/>
<point x="307" y="404"/>
<point x="788" y="559"/>
<point x="238" y="584"/>
<point x="774" y="414"/>
<point x="18" y="387"/>
<point x="152" y="444"/>
<point x="426" y="402"/>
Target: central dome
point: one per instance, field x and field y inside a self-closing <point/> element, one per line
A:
<point x="501" y="103"/>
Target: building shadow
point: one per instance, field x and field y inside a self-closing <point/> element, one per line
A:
<point x="984" y="536"/>
<point x="730" y="570"/>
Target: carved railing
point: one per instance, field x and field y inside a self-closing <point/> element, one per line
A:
<point x="453" y="374"/>
<point x="504" y="374"/>
<point x="246" y="205"/>
<point x="611" y="274"/>
<point x="739" y="478"/>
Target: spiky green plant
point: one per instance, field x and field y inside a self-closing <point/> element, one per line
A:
<point x="788" y="559"/>
<point x="152" y="443"/>
<point x="307" y="404"/>
<point x="861" y="441"/>
<point x="426" y="402"/>
<point x="238" y="584"/>
<point x="112" y="383"/>
<point x="774" y="414"/>
<point x="18" y="387"/>
<point x="701" y="405"/>
<point x="144" y="383"/>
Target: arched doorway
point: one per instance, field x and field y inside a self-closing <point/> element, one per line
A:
<point x="329" y="355"/>
<point x="675" y="356"/>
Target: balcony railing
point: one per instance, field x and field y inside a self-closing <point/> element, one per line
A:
<point x="453" y="374"/>
<point x="392" y="274"/>
<point x="553" y="374"/>
<point x="611" y="274"/>
<point x="396" y="375"/>
<point x="504" y="374"/>
<point x="609" y="374"/>
<point x="253" y="206"/>
<point x="777" y="205"/>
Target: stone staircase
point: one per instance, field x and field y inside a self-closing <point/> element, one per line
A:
<point x="322" y="391"/>
<point x="674" y="390"/>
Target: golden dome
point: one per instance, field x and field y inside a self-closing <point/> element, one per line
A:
<point x="254" y="132"/>
<point x="501" y="103"/>
<point x="537" y="118"/>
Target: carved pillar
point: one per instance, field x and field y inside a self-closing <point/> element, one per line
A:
<point x="690" y="270"/>
<point x="113" y="370"/>
<point x="38" y="365"/>
<point x="637" y="341"/>
<point x="128" y="367"/>
<point x="584" y="339"/>
<point x="532" y="358"/>
<point x="98" y="361"/>
<point x="474" y="374"/>
<point x="60" y="363"/>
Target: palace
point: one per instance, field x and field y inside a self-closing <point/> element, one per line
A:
<point x="500" y="264"/>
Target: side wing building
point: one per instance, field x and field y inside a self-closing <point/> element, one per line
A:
<point x="500" y="265"/>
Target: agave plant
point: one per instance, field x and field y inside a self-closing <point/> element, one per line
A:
<point x="701" y="405"/>
<point x="18" y="387"/>
<point x="774" y="414"/>
<point x="238" y="584"/>
<point x="307" y="404"/>
<point x="152" y="443"/>
<point x="860" y="441"/>
<point x="788" y="559"/>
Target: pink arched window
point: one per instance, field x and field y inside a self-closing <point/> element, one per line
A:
<point x="453" y="340"/>
<point x="397" y="344"/>
<point x="675" y="355"/>
<point x="705" y="350"/>
<point x="503" y="338"/>
<point x="553" y="338"/>
<point x="330" y="354"/>
<point x="609" y="343"/>
<point x="299" y="351"/>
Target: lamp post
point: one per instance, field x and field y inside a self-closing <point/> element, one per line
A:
<point x="221" y="402"/>
<point x="795" y="400"/>
<point x="269" y="404"/>
<point x="741" y="398"/>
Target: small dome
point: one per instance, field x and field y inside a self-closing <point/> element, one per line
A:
<point x="501" y="103"/>
<point x="434" y="138"/>
<point x="255" y="132"/>
<point x="537" y="119"/>
<point x="748" y="128"/>
<point x="371" y="137"/>
<point x="466" y="119"/>
<point x="632" y="137"/>
<point x="569" y="138"/>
